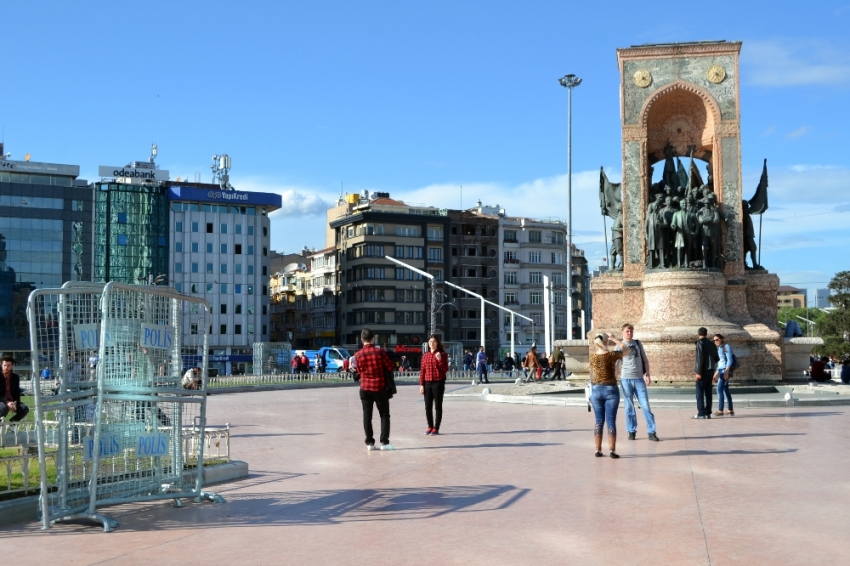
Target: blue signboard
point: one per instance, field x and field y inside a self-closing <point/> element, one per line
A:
<point x="213" y="195"/>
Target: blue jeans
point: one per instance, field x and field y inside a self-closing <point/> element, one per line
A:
<point x="632" y="387"/>
<point x="482" y="372"/>
<point x="605" y="400"/>
<point x="723" y="388"/>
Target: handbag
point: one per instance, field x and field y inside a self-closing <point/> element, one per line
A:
<point x="389" y="376"/>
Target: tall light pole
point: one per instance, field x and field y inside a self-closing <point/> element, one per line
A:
<point x="570" y="82"/>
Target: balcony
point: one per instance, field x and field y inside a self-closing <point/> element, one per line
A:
<point x="511" y="261"/>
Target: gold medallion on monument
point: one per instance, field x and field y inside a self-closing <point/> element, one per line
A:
<point x="716" y="74"/>
<point x="643" y="78"/>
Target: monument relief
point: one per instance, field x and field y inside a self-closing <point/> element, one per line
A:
<point x="680" y="241"/>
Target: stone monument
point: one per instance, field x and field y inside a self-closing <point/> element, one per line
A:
<point x="684" y="239"/>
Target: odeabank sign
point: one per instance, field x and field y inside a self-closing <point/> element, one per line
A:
<point x="133" y="173"/>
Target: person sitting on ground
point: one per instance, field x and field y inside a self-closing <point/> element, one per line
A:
<point x="10" y="391"/>
<point x="46" y="373"/>
<point x="508" y="364"/>
<point x="192" y="378"/>
<point x="818" y="371"/>
<point x="544" y="366"/>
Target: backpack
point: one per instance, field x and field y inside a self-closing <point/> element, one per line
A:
<point x="732" y="360"/>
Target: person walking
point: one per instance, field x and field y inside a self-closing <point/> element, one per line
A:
<point x="432" y="382"/>
<point x="605" y="396"/>
<point x="10" y="391"/>
<point x="704" y="366"/>
<point x="555" y="362"/>
<point x="634" y="377"/>
<point x="481" y="365"/>
<point x="531" y="364"/>
<point x="372" y="364"/>
<point x="723" y="374"/>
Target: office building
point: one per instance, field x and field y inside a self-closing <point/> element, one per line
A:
<point x="45" y="240"/>
<point x="787" y="296"/>
<point x="219" y="250"/>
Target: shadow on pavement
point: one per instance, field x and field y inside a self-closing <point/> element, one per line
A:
<point x="532" y="431"/>
<point x="790" y="413"/>
<point x="712" y="453"/>
<point x="492" y="445"/>
<point x="739" y="435"/>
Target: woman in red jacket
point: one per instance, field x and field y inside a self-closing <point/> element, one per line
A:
<point x="432" y="382"/>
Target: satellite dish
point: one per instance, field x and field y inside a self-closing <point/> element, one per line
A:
<point x="294" y="266"/>
<point x="27" y="157"/>
<point x="179" y="179"/>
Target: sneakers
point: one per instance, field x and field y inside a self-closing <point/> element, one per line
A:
<point x="430" y="431"/>
<point x="652" y="436"/>
<point x="632" y="435"/>
<point x="698" y="417"/>
<point x="614" y="455"/>
<point x="718" y="413"/>
<point x="387" y="447"/>
<point x="435" y="432"/>
<point x="730" y="413"/>
<point x="370" y="447"/>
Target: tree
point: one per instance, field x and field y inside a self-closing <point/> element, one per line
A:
<point x="835" y="325"/>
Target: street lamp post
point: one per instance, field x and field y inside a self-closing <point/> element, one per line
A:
<point x="569" y="82"/>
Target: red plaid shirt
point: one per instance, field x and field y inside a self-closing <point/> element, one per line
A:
<point x="371" y="363"/>
<point x="432" y="368"/>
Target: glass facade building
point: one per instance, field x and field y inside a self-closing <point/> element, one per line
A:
<point x="45" y="240"/>
<point x="131" y="232"/>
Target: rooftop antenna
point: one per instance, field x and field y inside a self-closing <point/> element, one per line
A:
<point x="220" y="169"/>
<point x="153" y="153"/>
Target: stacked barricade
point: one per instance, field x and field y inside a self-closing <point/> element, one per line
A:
<point x="121" y="409"/>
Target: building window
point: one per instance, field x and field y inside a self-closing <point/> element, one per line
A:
<point x="251" y="250"/>
<point x="435" y="233"/>
<point x="435" y="254"/>
<point x="535" y="277"/>
<point x="237" y="249"/>
<point x="437" y="273"/>
<point x="511" y="257"/>
<point x="250" y="230"/>
<point x="238" y="309"/>
<point x="558" y="299"/>
<point x="266" y="231"/>
<point x="209" y="268"/>
<point x="193" y="328"/>
<point x="265" y="290"/>
<point x="535" y="236"/>
<point x="222" y="329"/>
<point x="237" y="329"/>
<point x="250" y="270"/>
<point x="224" y="288"/>
<point x="160" y="241"/>
<point x="510" y="278"/>
<point x="194" y="247"/>
<point x="558" y="238"/>
<point x="194" y="288"/>
<point x="558" y="258"/>
<point x="122" y="218"/>
<point x="470" y="272"/>
<point x="194" y="226"/>
<point x="250" y="289"/>
<point x="178" y="267"/>
<point x="265" y="251"/>
<point x="194" y="267"/>
<point x="178" y="226"/>
<point x="224" y="228"/>
<point x="250" y="329"/>
<point x="209" y="227"/>
<point x="510" y="236"/>
<point x="224" y="268"/>
<point x="237" y="288"/>
<point x="264" y="329"/>
<point x="534" y="257"/>
<point x="250" y="309"/>
<point x="471" y="335"/>
<point x="209" y="247"/>
<point x="536" y="298"/>
<point x="265" y="311"/>
<point x="238" y="228"/>
<point x="223" y="308"/>
<point x="122" y="239"/>
<point x="209" y="287"/>
<point x="265" y="270"/>
<point x="178" y="247"/>
<point x="224" y="248"/>
<point x="510" y="299"/>
<point x="557" y="278"/>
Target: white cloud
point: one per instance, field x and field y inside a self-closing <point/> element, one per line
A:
<point x="799" y="132"/>
<point x="794" y="62"/>
<point x="295" y="201"/>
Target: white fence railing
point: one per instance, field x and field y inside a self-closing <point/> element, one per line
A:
<point x="340" y="377"/>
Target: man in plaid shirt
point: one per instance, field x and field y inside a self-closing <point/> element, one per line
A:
<point x="371" y="364"/>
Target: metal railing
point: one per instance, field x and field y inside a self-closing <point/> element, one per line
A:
<point x="26" y="465"/>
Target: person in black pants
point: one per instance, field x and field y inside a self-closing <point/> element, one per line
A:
<point x="432" y="382"/>
<point x="10" y="391"/>
<point x="704" y="367"/>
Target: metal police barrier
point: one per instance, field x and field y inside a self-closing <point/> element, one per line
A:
<point x="129" y="446"/>
<point x="272" y="358"/>
<point x="63" y="336"/>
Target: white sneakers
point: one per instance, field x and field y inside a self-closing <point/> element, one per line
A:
<point x="370" y="447"/>
<point x="387" y="447"/>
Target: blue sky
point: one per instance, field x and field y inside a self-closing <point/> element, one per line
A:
<point x="418" y="99"/>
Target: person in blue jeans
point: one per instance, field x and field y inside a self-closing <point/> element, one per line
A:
<point x="481" y="365"/>
<point x="722" y="375"/>
<point x="604" y="396"/>
<point x="634" y="377"/>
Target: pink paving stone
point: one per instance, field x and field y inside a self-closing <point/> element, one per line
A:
<point x="502" y="484"/>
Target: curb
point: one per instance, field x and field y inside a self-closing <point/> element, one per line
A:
<point x="25" y="509"/>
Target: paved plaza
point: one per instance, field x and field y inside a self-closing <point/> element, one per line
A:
<point x="503" y="484"/>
